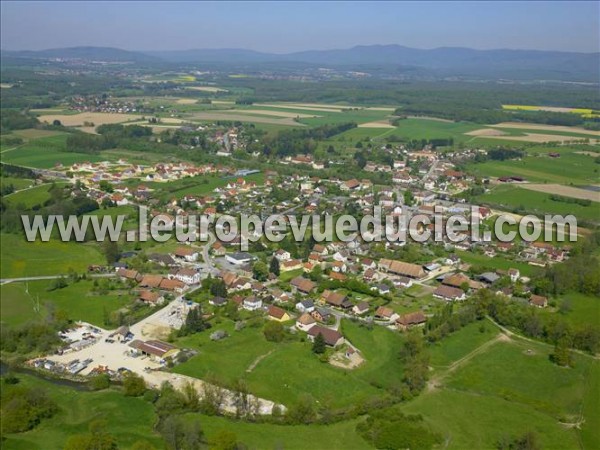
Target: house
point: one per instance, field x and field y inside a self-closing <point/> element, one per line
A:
<point x="188" y="276"/>
<point x="278" y="314"/>
<point x="331" y="337"/>
<point x="282" y="255"/>
<point x="321" y="315"/>
<point x="156" y="350"/>
<point x="218" y="249"/>
<point x="361" y="308"/>
<point x="292" y="264"/>
<point x="339" y="266"/>
<point x="401" y="268"/>
<point x="239" y="258"/>
<point x="489" y="277"/>
<point x="538" y="301"/>
<point x="163" y="260"/>
<point x="149" y="297"/>
<point x="449" y="293"/>
<point x="172" y="285"/>
<point x="384" y="313"/>
<point x="320" y="249"/>
<point x="302" y="285"/>
<point x="335" y="276"/>
<point x="403" y="282"/>
<point x="186" y="253"/>
<point x="383" y="289"/>
<point x="336" y="299"/>
<point x="126" y="274"/>
<point x="458" y="280"/>
<point x="218" y="301"/>
<point x="305" y="306"/>
<point x="305" y="322"/>
<point x="452" y="260"/>
<point x="350" y="185"/>
<point x="151" y="281"/>
<point x="252" y="303"/>
<point x="514" y="275"/>
<point x="410" y="320"/>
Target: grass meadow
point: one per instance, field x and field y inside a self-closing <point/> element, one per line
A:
<point x="45" y="153"/>
<point x="507" y="390"/>
<point x="20" y="298"/>
<point x="27" y="259"/>
<point x="511" y="197"/>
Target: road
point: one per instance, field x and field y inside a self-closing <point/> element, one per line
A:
<point x="53" y="277"/>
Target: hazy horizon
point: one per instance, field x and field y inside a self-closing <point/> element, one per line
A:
<point x="286" y="27"/>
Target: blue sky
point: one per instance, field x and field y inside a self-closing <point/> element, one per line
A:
<point x="293" y="26"/>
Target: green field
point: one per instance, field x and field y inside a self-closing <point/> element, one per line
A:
<point x="583" y="309"/>
<point x="509" y="389"/>
<point x="45" y="153"/>
<point x="128" y="419"/>
<point x="19" y="301"/>
<point x="17" y="183"/>
<point x="570" y="168"/>
<point x="498" y="262"/>
<point x="132" y="419"/>
<point x="291" y="368"/>
<point x="26" y="259"/>
<point x="460" y="343"/>
<point x="511" y="197"/>
<point x="37" y="195"/>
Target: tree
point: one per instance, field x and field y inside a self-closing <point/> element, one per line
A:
<point x="274" y="331"/>
<point x="260" y="271"/>
<point x="274" y="266"/>
<point x="111" y="251"/>
<point x="99" y="382"/>
<point x="224" y="440"/>
<point x="562" y="354"/>
<point x="218" y="288"/>
<point x="194" y="322"/>
<point x="133" y="385"/>
<point x="96" y="439"/>
<point x="319" y="344"/>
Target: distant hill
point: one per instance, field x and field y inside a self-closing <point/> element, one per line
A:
<point x="517" y="64"/>
<point x="84" y="53"/>
<point x="444" y="61"/>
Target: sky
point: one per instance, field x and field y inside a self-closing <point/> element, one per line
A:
<point x="284" y="26"/>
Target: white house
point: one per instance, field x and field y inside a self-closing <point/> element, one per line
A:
<point x="188" y="276"/>
<point x="252" y="303"/>
<point x="239" y="258"/>
<point x="282" y="255"/>
<point x="305" y="322"/>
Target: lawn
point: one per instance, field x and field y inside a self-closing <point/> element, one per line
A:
<point x="132" y="419"/>
<point x="18" y="300"/>
<point x="291" y="368"/>
<point x="45" y="153"/>
<point x="37" y="195"/>
<point x="200" y="185"/>
<point x="460" y="343"/>
<point x="521" y="372"/>
<point x="569" y="168"/>
<point x="512" y="197"/>
<point x="584" y="309"/>
<point x="510" y="389"/>
<point x="340" y="435"/>
<point x="128" y="419"/>
<point x="17" y="183"/>
<point x="20" y="258"/>
<point x="498" y="262"/>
